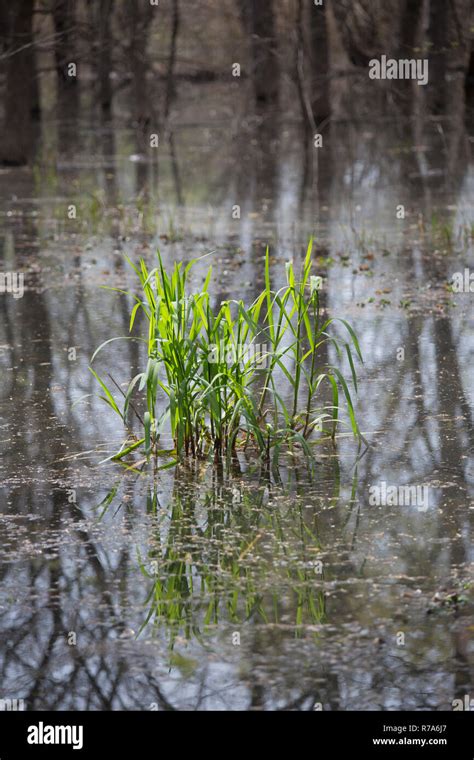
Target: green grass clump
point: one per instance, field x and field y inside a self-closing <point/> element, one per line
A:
<point x="229" y="377"/>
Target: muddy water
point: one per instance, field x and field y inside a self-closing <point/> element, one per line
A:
<point x="204" y="589"/>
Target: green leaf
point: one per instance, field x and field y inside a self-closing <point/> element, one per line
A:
<point x="108" y="396"/>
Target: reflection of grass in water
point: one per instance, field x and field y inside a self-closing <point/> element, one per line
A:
<point x="247" y="562"/>
<point x="96" y="216"/>
<point x="448" y="235"/>
<point x="360" y="238"/>
<point x="96" y="213"/>
<point x="442" y="232"/>
<point x="45" y="173"/>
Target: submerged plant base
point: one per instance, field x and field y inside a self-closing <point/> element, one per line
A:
<point x="229" y="378"/>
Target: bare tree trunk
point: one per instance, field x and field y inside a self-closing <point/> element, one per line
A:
<point x="411" y="29"/>
<point x="470" y="77"/>
<point x="139" y="20"/>
<point x="170" y="86"/>
<point x="450" y="36"/>
<point x="104" y="63"/>
<point x="358" y="29"/>
<point x="35" y="91"/>
<point x="4" y="25"/>
<point x="259" y="21"/>
<point x="319" y="59"/>
<point x="17" y="132"/>
<point x="65" y="53"/>
<point x="438" y="34"/>
<point x="410" y="46"/>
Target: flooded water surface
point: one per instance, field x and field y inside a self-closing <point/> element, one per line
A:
<point x="345" y="587"/>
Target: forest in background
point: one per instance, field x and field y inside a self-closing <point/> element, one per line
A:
<point x="69" y="58"/>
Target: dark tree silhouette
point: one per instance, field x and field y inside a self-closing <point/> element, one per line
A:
<point x="319" y="57"/>
<point x="104" y="59"/>
<point x="170" y="83"/>
<point x="19" y="73"/>
<point x="138" y="18"/>
<point x="259" y="23"/>
<point x="450" y="40"/>
<point x="65" y="52"/>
